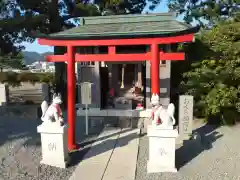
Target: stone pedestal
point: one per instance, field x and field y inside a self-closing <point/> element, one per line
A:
<point x="161" y="149"/>
<point x="54" y="144"/>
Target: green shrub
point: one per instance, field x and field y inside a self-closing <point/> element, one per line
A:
<point x="46" y="78"/>
<point x="3" y="76"/>
<point x="214" y="80"/>
<point x="15" y="79"/>
<point x="9" y="78"/>
<point x="28" y="77"/>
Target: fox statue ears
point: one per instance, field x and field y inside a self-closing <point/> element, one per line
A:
<point x="59" y="95"/>
<point x="55" y="95"/>
<point x="57" y="99"/>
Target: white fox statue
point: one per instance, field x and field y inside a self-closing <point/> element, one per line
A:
<point x="53" y="113"/>
<point x="163" y="117"/>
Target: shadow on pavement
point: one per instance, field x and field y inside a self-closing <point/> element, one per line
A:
<point x="204" y="137"/>
<point x="25" y="129"/>
<point x="85" y="143"/>
<point x="19" y="128"/>
<point x="104" y="146"/>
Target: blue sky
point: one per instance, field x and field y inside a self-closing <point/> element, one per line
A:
<point x="35" y="47"/>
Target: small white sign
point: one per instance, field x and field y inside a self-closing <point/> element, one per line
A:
<point x="86" y="96"/>
<point x="86" y="93"/>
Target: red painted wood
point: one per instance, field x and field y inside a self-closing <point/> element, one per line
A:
<point x="172" y="56"/>
<point x="112" y="57"/>
<point x="57" y="58"/>
<point x="100" y="57"/>
<point x="112" y="42"/>
<point x="112" y="50"/>
<point x="155" y="69"/>
<point x="115" y="57"/>
<point x="71" y="82"/>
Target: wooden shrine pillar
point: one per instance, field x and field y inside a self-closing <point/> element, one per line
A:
<point x="71" y="90"/>
<point x="155" y="70"/>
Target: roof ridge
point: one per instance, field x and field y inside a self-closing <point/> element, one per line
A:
<point x="133" y="15"/>
<point x="127" y="18"/>
<point x="173" y="20"/>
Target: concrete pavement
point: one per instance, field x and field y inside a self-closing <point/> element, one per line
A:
<point x="112" y="156"/>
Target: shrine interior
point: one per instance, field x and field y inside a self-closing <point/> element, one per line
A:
<point x="125" y="88"/>
<point x="124" y="81"/>
<point x="116" y="85"/>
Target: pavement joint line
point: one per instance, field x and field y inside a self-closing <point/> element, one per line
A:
<point x="111" y="155"/>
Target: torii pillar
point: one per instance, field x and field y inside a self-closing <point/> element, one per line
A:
<point x="71" y="91"/>
<point x="155" y="72"/>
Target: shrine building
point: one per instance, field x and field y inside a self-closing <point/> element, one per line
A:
<point x="127" y="58"/>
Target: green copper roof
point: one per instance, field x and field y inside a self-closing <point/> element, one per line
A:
<point x="122" y="26"/>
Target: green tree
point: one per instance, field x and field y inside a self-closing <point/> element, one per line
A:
<point x="9" y="36"/>
<point x="14" y="61"/>
<point x="19" y="18"/>
<point x="205" y="12"/>
<point x="55" y="15"/>
<point x="214" y="81"/>
<point x="10" y="56"/>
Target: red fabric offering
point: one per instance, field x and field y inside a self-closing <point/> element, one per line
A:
<point x="152" y="115"/>
<point x="59" y="111"/>
<point x="111" y="92"/>
<point x="159" y="121"/>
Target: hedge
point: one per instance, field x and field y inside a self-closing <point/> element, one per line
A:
<point x="13" y="78"/>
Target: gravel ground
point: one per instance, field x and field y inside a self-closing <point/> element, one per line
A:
<point x="20" y="151"/>
<point x="215" y="157"/>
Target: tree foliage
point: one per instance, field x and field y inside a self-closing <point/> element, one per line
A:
<point x="10" y="56"/>
<point x="55" y="15"/>
<point x="205" y="12"/>
<point x="9" y="39"/>
<point x="14" y="61"/>
<point x="15" y="79"/>
<point x="18" y="18"/>
<point x="214" y="81"/>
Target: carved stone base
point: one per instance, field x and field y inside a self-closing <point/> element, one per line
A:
<point x="55" y="163"/>
<point x="54" y="145"/>
<point x="161" y="149"/>
<point x="156" y="167"/>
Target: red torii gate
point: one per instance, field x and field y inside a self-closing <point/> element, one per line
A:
<point x="154" y="56"/>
